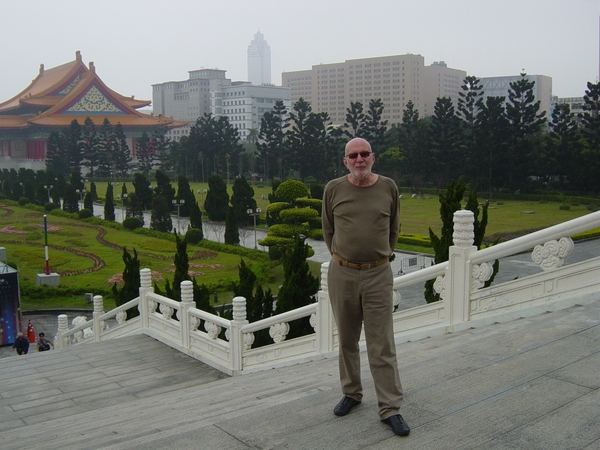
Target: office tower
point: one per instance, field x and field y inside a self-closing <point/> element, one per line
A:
<point x="259" y="61"/>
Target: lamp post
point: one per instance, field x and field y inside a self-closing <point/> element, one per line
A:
<point x="202" y="193"/>
<point x="254" y="213"/>
<point x="178" y="203"/>
<point x="123" y="198"/>
<point x="48" y="188"/>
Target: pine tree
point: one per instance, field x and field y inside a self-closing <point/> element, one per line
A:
<point x="144" y="153"/>
<point x="355" y="120"/>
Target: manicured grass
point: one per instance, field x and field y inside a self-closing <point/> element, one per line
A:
<point x="90" y="255"/>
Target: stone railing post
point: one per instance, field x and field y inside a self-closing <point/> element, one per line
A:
<point x="98" y="311"/>
<point x="61" y="341"/>
<point x="236" y="341"/>
<point x="458" y="274"/>
<point x="145" y="288"/>
<point x="325" y="321"/>
<point x="187" y="302"/>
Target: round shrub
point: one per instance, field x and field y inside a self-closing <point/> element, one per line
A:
<point x="290" y="190"/>
<point x="50" y="206"/>
<point x="194" y="235"/>
<point x="23" y="201"/>
<point x="131" y="223"/>
<point x="85" y="213"/>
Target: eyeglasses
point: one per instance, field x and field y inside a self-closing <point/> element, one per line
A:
<point x="363" y="155"/>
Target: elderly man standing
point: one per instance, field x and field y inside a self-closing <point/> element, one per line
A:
<point x="361" y="221"/>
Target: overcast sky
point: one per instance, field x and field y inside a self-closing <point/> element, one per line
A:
<point x="137" y="43"/>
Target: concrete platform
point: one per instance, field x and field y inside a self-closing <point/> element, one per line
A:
<point x="528" y="384"/>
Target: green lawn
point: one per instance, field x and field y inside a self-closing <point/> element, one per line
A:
<point x="88" y="256"/>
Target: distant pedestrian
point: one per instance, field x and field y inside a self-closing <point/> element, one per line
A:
<point x="21" y="344"/>
<point x="43" y="344"/>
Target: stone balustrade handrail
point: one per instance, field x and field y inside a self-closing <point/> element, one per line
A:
<point x="527" y="242"/>
<point x="285" y="317"/>
<point x="465" y="302"/>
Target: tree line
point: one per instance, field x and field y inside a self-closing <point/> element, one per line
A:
<point x="494" y="143"/>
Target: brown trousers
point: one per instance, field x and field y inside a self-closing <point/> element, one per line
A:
<point x="359" y="296"/>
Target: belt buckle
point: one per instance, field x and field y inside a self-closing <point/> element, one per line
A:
<point x="358" y="266"/>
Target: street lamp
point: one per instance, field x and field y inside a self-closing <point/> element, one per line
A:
<point x="123" y="198"/>
<point x="48" y="188"/>
<point x="178" y="203"/>
<point x="254" y="213"/>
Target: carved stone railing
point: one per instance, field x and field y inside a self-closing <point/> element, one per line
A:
<point x="228" y="344"/>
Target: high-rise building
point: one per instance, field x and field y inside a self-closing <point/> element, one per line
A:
<point x="259" y="60"/>
<point x="395" y="80"/>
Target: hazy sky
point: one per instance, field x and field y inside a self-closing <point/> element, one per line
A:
<point x="137" y="43"/>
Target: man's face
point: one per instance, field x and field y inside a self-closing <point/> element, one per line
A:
<point x="357" y="161"/>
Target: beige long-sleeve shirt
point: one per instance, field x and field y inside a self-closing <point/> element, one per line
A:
<point x="361" y="223"/>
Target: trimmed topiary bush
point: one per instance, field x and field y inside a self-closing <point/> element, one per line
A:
<point x="50" y="206"/>
<point x="131" y="223"/>
<point x="85" y="213"/>
<point x="194" y="235"/>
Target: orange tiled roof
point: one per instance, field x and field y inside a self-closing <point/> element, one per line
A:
<point x="70" y="92"/>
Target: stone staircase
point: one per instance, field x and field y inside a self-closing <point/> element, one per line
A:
<point x="531" y="383"/>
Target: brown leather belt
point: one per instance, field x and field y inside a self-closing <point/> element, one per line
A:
<point x="359" y="265"/>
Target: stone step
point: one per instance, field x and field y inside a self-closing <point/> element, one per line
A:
<point x="481" y="388"/>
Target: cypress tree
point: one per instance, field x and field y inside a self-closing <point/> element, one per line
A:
<point x="217" y="199"/>
<point x="109" y="204"/>
<point x="131" y="282"/>
<point x="160" y="220"/>
<point x="450" y="202"/>
<point x="299" y="286"/>
<point x="232" y="234"/>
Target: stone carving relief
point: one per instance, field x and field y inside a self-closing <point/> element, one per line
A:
<point x="212" y="329"/>
<point x="552" y="254"/>
<point x="279" y="331"/>
<point x="480" y="273"/>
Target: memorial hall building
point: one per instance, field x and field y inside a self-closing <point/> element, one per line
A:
<point x="56" y="97"/>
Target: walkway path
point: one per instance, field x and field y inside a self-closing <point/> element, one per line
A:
<point x="528" y="384"/>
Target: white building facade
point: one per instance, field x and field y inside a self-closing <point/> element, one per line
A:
<point x="396" y="80"/>
<point x="245" y="104"/>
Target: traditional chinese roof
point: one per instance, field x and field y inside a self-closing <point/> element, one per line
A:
<point x="70" y="92"/>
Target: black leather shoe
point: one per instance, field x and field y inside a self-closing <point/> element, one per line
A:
<point x="397" y="424"/>
<point x="345" y="405"/>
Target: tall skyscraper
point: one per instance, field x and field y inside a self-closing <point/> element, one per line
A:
<point x="259" y="60"/>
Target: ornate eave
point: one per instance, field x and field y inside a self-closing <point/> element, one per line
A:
<point x="70" y="92"/>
